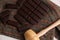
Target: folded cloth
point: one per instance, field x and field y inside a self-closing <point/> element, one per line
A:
<point x="30" y="14"/>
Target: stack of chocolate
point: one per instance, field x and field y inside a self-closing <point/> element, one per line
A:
<point x="29" y="14"/>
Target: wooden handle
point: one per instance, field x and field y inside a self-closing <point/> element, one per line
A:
<point x="41" y="33"/>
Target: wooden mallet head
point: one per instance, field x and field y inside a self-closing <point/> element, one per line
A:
<point x="31" y="35"/>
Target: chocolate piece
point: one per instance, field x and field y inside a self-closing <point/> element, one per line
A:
<point x="10" y="6"/>
<point x="21" y="20"/>
<point x="13" y="23"/>
<point x="4" y="13"/>
<point x="4" y="16"/>
<point x="5" y="19"/>
<point x="19" y="3"/>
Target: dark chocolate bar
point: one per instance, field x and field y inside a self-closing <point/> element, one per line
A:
<point x="10" y="6"/>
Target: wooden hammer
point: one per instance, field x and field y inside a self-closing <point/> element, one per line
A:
<point x="31" y="35"/>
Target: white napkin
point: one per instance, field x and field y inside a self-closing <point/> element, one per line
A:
<point x="57" y="2"/>
<point x="3" y="37"/>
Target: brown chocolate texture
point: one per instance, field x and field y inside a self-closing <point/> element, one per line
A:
<point x="20" y="15"/>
